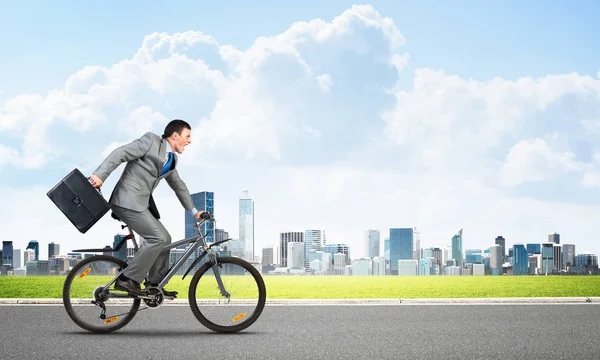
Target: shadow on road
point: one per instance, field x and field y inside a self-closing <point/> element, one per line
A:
<point x="161" y="333"/>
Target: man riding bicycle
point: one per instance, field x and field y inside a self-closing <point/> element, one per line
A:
<point x="149" y="159"/>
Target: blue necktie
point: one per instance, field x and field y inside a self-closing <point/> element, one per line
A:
<point x="167" y="165"/>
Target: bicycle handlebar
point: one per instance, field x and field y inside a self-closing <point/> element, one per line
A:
<point x="205" y="216"/>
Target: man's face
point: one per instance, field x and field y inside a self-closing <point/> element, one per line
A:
<point x="180" y="141"/>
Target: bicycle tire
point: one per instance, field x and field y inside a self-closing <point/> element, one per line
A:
<point x="67" y="298"/>
<point x="262" y="296"/>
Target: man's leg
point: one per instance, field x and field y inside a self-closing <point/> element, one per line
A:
<point x="159" y="270"/>
<point x="155" y="238"/>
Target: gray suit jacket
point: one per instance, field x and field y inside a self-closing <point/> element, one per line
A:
<point x="145" y="158"/>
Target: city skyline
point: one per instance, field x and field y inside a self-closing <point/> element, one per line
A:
<point x="337" y="117"/>
<point x="301" y="235"/>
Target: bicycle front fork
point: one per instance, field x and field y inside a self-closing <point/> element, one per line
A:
<point x="216" y="270"/>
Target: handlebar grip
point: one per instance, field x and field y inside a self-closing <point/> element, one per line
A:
<point x="205" y="216"/>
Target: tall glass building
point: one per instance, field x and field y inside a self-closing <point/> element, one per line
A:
<point x="33" y="245"/>
<point x="372" y="241"/>
<point x="401" y="247"/>
<point x="520" y="259"/>
<point x="558" y="261"/>
<point x="534" y="249"/>
<point x="496" y="260"/>
<point x="7" y="253"/>
<point x="568" y="251"/>
<point x="284" y="239"/>
<point x="53" y="249"/>
<point x="457" y="248"/>
<point x="500" y="240"/>
<point x="586" y="259"/>
<point x="313" y="242"/>
<point x="122" y="253"/>
<point x="247" y="225"/>
<point x="547" y="258"/>
<point x="204" y="200"/>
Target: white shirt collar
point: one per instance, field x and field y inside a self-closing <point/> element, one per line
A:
<point x="168" y="150"/>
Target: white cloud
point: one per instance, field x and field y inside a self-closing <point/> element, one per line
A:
<point x="449" y="153"/>
<point x="324" y="82"/>
<point x="9" y="155"/>
<point x="140" y="119"/>
<point x="464" y="120"/>
<point x="591" y="179"/>
<point x="534" y="161"/>
<point x="400" y="61"/>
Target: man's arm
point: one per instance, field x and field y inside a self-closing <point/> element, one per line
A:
<point x="181" y="191"/>
<point x="134" y="150"/>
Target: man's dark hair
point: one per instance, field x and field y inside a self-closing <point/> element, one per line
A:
<point x="175" y="126"/>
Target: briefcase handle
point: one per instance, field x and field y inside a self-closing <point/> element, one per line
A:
<point x="100" y="191"/>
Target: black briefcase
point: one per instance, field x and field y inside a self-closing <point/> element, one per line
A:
<point x="81" y="203"/>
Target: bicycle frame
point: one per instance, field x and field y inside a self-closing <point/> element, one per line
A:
<point x="198" y="241"/>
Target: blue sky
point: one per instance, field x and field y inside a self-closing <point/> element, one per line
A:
<point x="481" y="126"/>
<point x="473" y="39"/>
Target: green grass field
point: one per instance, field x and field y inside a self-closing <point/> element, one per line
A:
<point x="354" y="287"/>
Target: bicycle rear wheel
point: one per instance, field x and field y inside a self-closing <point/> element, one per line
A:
<point x="246" y="301"/>
<point x="86" y="302"/>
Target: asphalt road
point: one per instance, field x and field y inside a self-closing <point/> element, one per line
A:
<point x="549" y="331"/>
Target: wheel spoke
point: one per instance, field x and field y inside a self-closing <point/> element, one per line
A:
<point x="245" y="287"/>
<point x="87" y="301"/>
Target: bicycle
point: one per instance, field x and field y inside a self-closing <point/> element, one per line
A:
<point x="97" y="274"/>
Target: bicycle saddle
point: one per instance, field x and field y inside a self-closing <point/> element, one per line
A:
<point x="114" y="216"/>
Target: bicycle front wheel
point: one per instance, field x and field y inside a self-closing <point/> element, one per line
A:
<point x="89" y="304"/>
<point x="236" y="310"/>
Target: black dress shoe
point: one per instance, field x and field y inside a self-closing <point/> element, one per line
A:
<point x="164" y="291"/>
<point x="170" y="293"/>
<point x="132" y="287"/>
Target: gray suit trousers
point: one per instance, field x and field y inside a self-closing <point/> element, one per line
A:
<point x="152" y="258"/>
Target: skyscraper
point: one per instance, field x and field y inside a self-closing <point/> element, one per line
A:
<point x="295" y="255"/>
<point x="333" y="249"/>
<point x="457" y="248"/>
<point x="547" y="258"/>
<point x="313" y="242"/>
<point x="568" y="251"/>
<point x="533" y="249"/>
<point x="28" y="255"/>
<point x="502" y="242"/>
<point x="372" y="241"/>
<point x="520" y="260"/>
<point x="417" y="244"/>
<point x="284" y="239"/>
<point x="33" y="245"/>
<point x="7" y="253"/>
<point x="17" y="259"/>
<point x="438" y="256"/>
<point x="554" y="238"/>
<point x="122" y="253"/>
<point x="558" y="261"/>
<point x="204" y="200"/>
<point x="268" y="256"/>
<point x="53" y="249"/>
<point x="401" y="247"/>
<point x="247" y="225"/>
<point x="496" y="259"/>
